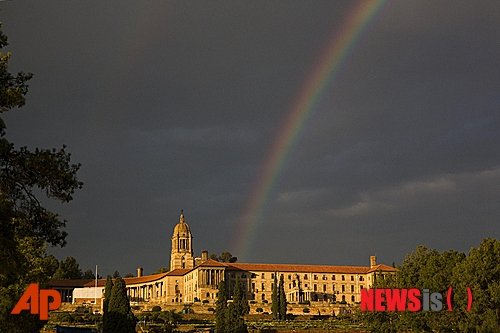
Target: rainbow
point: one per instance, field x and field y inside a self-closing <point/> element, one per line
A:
<point x="314" y="85"/>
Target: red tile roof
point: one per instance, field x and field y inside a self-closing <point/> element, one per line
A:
<point x="144" y="279"/>
<point x="68" y="283"/>
<point x="382" y="268"/>
<point x="296" y="267"/>
<point x="100" y="283"/>
<point x="212" y="263"/>
<point x="178" y="272"/>
<point x="292" y="268"/>
<point x="130" y="280"/>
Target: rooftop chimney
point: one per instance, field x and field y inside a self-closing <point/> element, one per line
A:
<point x="139" y="271"/>
<point x="204" y="255"/>
<point x="373" y="261"/>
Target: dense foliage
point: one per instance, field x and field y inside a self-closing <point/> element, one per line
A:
<point x="119" y="317"/>
<point x="26" y="226"/>
<point x="437" y="271"/>
<point x="275" y="304"/>
<point x="224" y="257"/>
<point x="229" y="318"/>
<point x="282" y="299"/>
<point x="221" y="308"/>
<point x="278" y="298"/>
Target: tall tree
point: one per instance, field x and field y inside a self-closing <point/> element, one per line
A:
<point x="120" y="318"/>
<point x="282" y="299"/>
<point x="26" y="226"/>
<point x="275" y="306"/>
<point x="68" y="269"/>
<point x="108" y="288"/>
<point x="237" y="309"/>
<point x="221" y="308"/>
<point x="240" y="300"/>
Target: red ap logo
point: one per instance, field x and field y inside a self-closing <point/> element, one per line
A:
<point x="37" y="301"/>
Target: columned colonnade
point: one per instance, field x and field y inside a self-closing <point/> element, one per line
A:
<point x="210" y="277"/>
<point x="145" y="292"/>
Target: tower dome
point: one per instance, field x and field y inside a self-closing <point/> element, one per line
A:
<point x="182" y="228"/>
<point x="181" y="255"/>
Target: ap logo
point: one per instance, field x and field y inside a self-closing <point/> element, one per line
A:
<point x="38" y="301"/>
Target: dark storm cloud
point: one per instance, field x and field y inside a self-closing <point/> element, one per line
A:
<point x="172" y="105"/>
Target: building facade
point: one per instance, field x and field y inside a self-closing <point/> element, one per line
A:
<point x="191" y="280"/>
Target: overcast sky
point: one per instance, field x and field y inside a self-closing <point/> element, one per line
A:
<point x="172" y="105"/>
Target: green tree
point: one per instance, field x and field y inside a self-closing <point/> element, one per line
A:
<point x="480" y="271"/>
<point x="108" y="288"/>
<point x="224" y="257"/>
<point x="51" y="264"/>
<point x="120" y="318"/>
<point x="240" y="301"/>
<point x="68" y="269"/>
<point x="107" y="293"/>
<point x="88" y="274"/>
<point x="26" y="226"/>
<point x="275" y="306"/>
<point x="237" y="309"/>
<point x="282" y="299"/>
<point x="430" y="269"/>
<point x="116" y="274"/>
<point x="221" y="308"/>
<point x="162" y="270"/>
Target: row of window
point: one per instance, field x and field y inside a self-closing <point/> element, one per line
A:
<point x="315" y="298"/>
<point x="315" y="287"/>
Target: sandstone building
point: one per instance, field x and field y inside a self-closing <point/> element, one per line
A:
<point x="192" y="280"/>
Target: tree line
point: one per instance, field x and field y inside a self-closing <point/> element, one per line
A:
<point x="117" y="314"/>
<point x="229" y="312"/>
<point x="27" y="228"/>
<point x="427" y="268"/>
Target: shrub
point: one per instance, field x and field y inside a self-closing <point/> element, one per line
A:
<point x="156" y="308"/>
<point x="80" y="309"/>
<point x="66" y="317"/>
<point x="306" y="310"/>
<point x="187" y="310"/>
<point x="206" y="301"/>
<point x="211" y="309"/>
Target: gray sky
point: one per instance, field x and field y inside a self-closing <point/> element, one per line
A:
<point x="173" y="105"/>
